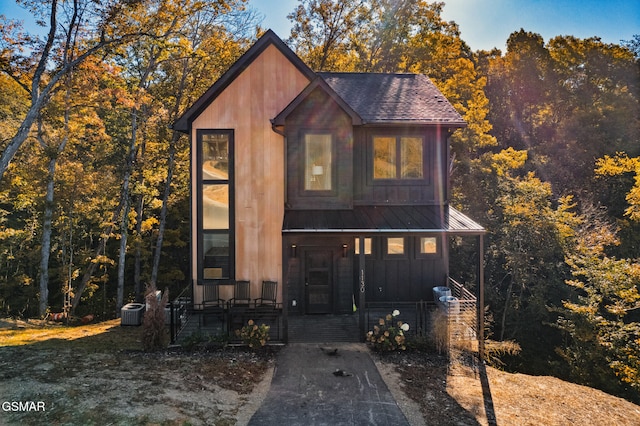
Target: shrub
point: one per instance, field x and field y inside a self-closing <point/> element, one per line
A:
<point x="387" y="336"/>
<point x="253" y="335"/>
<point x="440" y="331"/>
<point x="154" y="334"/>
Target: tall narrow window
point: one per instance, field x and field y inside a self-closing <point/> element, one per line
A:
<point x="384" y="158"/>
<point x="367" y="246"/>
<point x="318" y="162"/>
<point x="398" y="157"/>
<point x="411" y="158"/>
<point x="215" y="201"/>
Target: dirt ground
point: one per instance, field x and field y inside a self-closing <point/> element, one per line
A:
<point x="97" y="374"/>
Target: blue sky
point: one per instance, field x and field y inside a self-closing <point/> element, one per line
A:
<point x="485" y="24"/>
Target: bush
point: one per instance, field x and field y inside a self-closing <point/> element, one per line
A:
<point x="253" y="335"/>
<point x="387" y="336"/>
<point x="154" y="333"/>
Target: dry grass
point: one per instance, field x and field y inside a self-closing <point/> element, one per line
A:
<point x="463" y="393"/>
<point x="52" y="335"/>
<point x="98" y="374"/>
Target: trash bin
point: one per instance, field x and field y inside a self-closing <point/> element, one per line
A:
<point x="440" y="291"/>
<point x="131" y="314"/>
<point x="451" y="305"/>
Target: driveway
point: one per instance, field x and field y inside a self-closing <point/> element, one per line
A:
<point x="337" y="384"/>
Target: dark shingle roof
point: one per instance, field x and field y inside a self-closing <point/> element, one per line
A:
<point x="393" y="98"/>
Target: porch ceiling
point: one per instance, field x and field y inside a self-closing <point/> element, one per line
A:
<point x="381" y="219"/>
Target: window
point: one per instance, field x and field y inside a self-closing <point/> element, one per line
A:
<point x="367" y="246"/>
<point x="215" y="204"/>
<point x="318" y="162"/>
<point x="395" y="245"/>
<point x="398" y="157"/>
<point x="428" y="245"/>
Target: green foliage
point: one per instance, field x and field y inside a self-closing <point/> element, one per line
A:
<point x="388" y="334"/>
<point x="253" y="335"/>
<point x="604" y="349"/>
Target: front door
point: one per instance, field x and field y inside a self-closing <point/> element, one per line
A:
<point x="318" y="283"/>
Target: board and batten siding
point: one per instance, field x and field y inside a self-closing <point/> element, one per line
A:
<point x="247" y="105"/>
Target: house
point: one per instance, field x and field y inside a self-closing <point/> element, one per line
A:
<point x="334" y="185"/>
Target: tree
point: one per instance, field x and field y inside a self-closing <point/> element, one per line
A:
<point x="78" y="30"/>
<point x="601" y="318"/>
<point x="322" y="31"/>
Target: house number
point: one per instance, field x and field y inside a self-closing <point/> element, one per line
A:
<point x="361" y="281"/>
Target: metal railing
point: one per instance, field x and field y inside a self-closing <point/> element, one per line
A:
<point x="179" y="312"/>
<point x="459" y="316"/>
<point x="186" y="317"/>
<point x="463" y="323"/>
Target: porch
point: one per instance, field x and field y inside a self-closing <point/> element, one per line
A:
<point x="187" y="320"/>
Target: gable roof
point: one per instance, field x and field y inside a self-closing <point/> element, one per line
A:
<point x="318" y="83"/>
<point x="393" y="98"/>
<point x="269" y="38"/>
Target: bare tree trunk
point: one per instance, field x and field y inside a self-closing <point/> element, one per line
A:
<point x="163" y="211"/>
<point x="137" y="272"/>
<point x="170" y="166"/>
<point x="45" y="250"/>
<point x="504" y="312"/>
<point x="124" y="220"/>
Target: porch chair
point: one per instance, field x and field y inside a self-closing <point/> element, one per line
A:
<point x="239" y="306"/>
<point x="212" y="305"/>
<point x="241" y="294"/>
<point x="268" y="296"/>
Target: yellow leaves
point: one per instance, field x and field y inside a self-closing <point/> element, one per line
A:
<point x="507" y="160"/>
<point x="148" y="224"/>
<point x="618" y="165"/>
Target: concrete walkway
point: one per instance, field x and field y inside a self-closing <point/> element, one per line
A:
<point x="313" y="385"/>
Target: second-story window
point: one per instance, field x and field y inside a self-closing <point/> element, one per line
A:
<point x="318" y="154"/>
<point x="398" y="157"/>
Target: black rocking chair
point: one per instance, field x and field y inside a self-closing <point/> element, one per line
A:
<point x="269" y="294"/>
<point x="212" y="306"/>
<point x="241" y="295"/>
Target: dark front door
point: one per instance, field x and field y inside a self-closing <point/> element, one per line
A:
<point x="318" y="283"/>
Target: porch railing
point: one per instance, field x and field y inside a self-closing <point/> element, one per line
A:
<point x="463" y="324"/>
<point x="186" y="317"/>
<point x="460" y="316"/>
<point x="178" y="312"/>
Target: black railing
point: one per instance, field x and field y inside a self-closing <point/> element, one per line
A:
<point x="222" y="320"/>
<point x="178" y="312"/>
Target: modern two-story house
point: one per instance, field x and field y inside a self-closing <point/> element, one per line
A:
<point x="334" y="185"/>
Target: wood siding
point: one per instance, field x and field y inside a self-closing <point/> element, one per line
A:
<point x="257" y="95"/>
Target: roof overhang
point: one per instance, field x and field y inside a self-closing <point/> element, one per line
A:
<point x="365" y="220"/>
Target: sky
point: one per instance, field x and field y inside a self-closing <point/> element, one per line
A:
<point x="485" y="24"/>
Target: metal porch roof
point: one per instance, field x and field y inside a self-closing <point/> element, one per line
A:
<point x="381" y="219"/>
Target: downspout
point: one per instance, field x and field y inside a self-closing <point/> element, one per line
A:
<point x="481" y="296"/>
<point x="286" y="258"/>
<point x="361" y="287"/>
